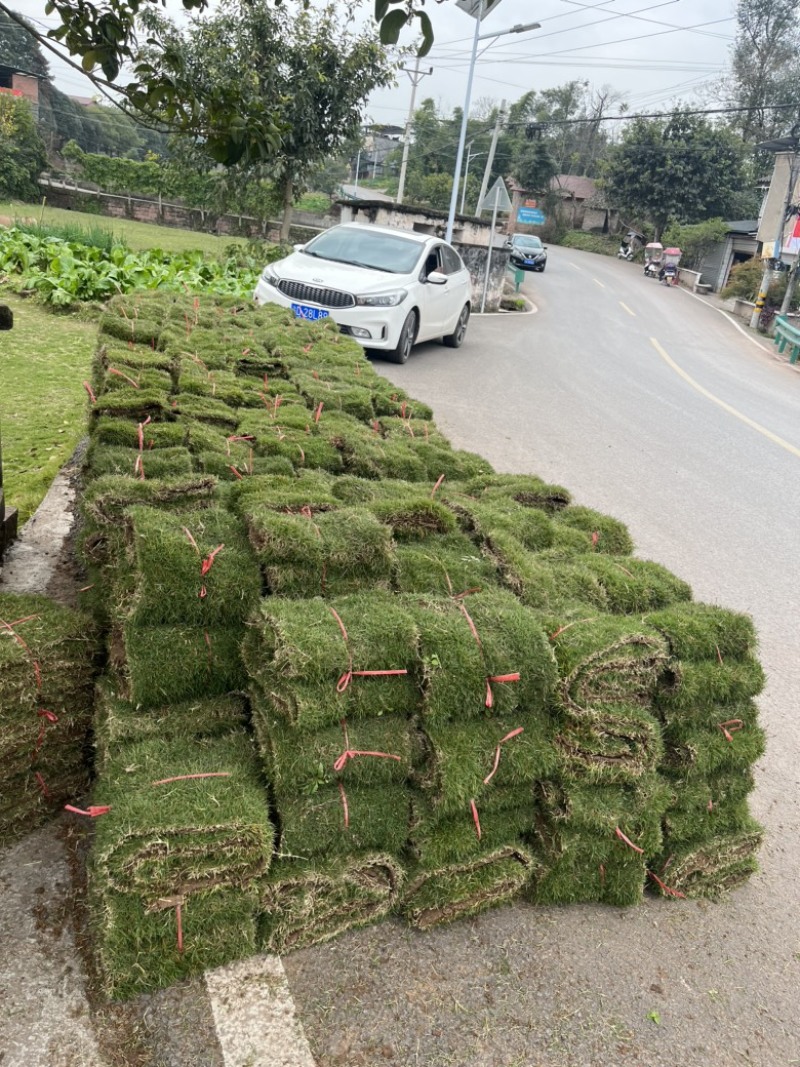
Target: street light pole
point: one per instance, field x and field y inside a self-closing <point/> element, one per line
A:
<point x="522" y="28"/>
<point x="416" y="75"/>
<point x="492" y="149"/>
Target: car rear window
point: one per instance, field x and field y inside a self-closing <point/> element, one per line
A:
<point x="528" y="242"/>
<point x="367" y="248"/>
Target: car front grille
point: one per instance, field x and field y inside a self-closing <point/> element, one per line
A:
<point x="328" y="298"/>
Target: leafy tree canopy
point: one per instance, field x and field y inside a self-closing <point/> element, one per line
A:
<point x="680" y="168"/>
<point x="22" y="154"/>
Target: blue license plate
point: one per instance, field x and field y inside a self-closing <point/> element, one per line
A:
<point x="528" y="262"/>
<point x="303" y="311"/>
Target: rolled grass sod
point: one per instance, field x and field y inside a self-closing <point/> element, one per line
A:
<point x="205" y="409"/>
<point x="483" y="760"/>
<point x="703" y="808"/>
<point x="413" y="516"/>
<point x="219" y="385"/>
<point x="631" y="586"/>
<point x="705" y="632"/>
<point x="136" y="404"/>
<point x="608" y="536"/>
<point x="484" y="519"/>
<point x="122" y="433"/>
<point x="525" y="489"/>
<point x="116" y="323"/>
<point x="484" y="651"/>
<point x="734" y="743"/>
<point x="350" y="397"/>
<point x="612" y="744"/>
<point x="370" y="752"/>
<point x="153" y="379"/>
<point x="158" y="665"/>
<point x="443" y="566"/>
<point x="303" y="904"/>
<point x="105" y="500"/>
<point x="187" y="567"/>
<point x="130" y="462"/>
<point x="436" y="839"/>
<point x="455" y="464"/>
<point x="330" y="554"/>
<point x="710" y="868"/>
<point x="693" y="683"/>
<point x="297" y="651"/>
<point x="118" y="722"/>
<point x="185" y="816"/>
<point x="436" y="896"/>
<point x="595" y="842"/>
<point x="341" y="820"/>
<point x="128" y="357"/>
<point x="136" y="942"/>
<point x="241" y="463"/>
<point x="605" y="659"/>
<point x="296" y="492"/>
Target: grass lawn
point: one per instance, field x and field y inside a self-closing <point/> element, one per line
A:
<point x="43" y="362"/>
<point x="139" y="236"/>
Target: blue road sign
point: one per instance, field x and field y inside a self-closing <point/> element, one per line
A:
<point x="530" y="216"/>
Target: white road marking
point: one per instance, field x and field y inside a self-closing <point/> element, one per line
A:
<point x="727" y="317"/>
<point x="576" y="267"/>
<point x="626" y="308"/>
<point x="255" y="1017"/>
<point x="596" y="282"/>
<point x="721" y="403"/>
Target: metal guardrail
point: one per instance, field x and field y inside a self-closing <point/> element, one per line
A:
<point x="786" y="335"/>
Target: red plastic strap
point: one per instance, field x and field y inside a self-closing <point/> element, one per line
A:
<point x="439" y="481"/>
<point x="119" y="374"/>
<point x="345" y="808"/>
<point x="192" y="541"/>
<point x="498" y="678"/>
<point x="475" y="818"/>
<point x="208" y="562"/>
<point x="602" y="874"/>
<point x="468" y="617"/>
<point x="141" y="433"/>
<point x="138" y="467"/>
<point x="351" y="753"/>
<point x="232" y="468"/>
<point x="734" y="724"/>
<point x="667" y="890"/>
<point x="179" y="925"/>
<point x="42" y="784"/>
<point x="191" y="777"/>
<point x="9" y="626"/>
<point x="719" y="654"/>
<point x="90" y="391"/>
<point x="318" y="411"/>
<point x="91" y="812"/>
<point x="628" y="841"/>
<point x="349" y="674"/>
<point x="376" y="427"/>
<point x="46" y="717"/>
<point x="502" y="741"/>
<point x="568" y="626"/>
<point x="710" y="805"/>
<point x="595" y="538"/>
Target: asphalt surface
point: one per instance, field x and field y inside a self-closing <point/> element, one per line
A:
<point x="694" y="441"/>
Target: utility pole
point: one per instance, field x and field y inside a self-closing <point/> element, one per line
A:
<point x="490" y="161"/>
<point x="416" y="75"/>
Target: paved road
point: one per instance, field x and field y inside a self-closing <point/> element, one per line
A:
<point x="647" y="405"/>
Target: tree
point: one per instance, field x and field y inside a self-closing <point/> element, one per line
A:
<point x="680" y="168"/>
<point x="765" y="68"/>
<point x="306" y="72"/>
<point x="22" y="153"/>
<point x="533" y="165"/>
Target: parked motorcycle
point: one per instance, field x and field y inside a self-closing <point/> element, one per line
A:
<point x="653" y="260"/>
<point x="625" y="252"/>
<point x="669" y="270"/>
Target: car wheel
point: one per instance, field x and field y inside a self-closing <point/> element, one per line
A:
<point x="406" y="340"/>
<point x="456" y="338"/>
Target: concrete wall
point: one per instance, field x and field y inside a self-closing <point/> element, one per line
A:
<point x="164" y="213"/>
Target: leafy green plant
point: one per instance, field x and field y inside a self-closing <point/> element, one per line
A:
<point x="590" y="242"/>
<point x="744" y="283"/>
<point x="695" y="241"/>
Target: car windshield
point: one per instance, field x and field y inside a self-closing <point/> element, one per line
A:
<point x="528" y="242"/>
<point x="364" y="247"/>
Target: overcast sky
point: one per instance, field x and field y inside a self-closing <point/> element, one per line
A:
<point x="653" y="51"/>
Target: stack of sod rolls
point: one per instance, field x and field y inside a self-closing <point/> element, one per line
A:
<point x="705" y="703"/>
<point x="47" y="662"/>
<point x="443" y="687"/>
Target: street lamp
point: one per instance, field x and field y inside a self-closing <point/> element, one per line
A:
<point x="790" y="144"/>
<point x="521" y="28"/>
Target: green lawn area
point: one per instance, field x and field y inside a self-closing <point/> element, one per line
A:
<point x="43" y="362"/>
<point x="137" y="235"/>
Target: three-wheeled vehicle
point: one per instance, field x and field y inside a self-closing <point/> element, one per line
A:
<point x="653" y="254"/>
<point x="669" y="266"/>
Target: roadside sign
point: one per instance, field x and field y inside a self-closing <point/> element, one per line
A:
<point x="472" y="7"/>
<point x="529" y="216"/>
<point x="497" y="198"/>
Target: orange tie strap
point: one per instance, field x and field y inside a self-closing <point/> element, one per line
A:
<point x="500" y="678"/>
<point x="192" y="777"/>
<point x="475" y="818"/>
<point x="345" y="808"/>
<point x="318" y="411"/>
<point x="502" y="741"/>
<point x="9" y="627"/>
<point x="665" y="889"/>
<point x="730" y="727"/>
<point x="439" y="481"/>
<point x="42" y="784"/>
<point x="92" y="812"/>
<point x="46" y="717"/>
<point x="349" y="674"/>
<point x="626" y="840"/>
<point x="351" y="753"/>
<point x="140" y="431"/>
<point x="120" y="374"/>
<point x="90" y="391"/>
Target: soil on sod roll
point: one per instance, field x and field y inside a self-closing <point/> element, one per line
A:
<point x="304" y="903"/>
<point x="616" y="743"/>
<point x="712" y="867"/>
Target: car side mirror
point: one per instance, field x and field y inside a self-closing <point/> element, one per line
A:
<point x="299" y="248"/>
<point x="544" y="247"/>
<point x="437" y="278"/>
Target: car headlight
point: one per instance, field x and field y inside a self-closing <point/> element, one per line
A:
<point x="382" y="300"/>
<point x="269" y="276"/>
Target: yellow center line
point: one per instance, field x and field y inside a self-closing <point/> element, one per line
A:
<point x="596" y="282"/>
<point x="721" y="403"/>
<point x="626" y="308"/>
